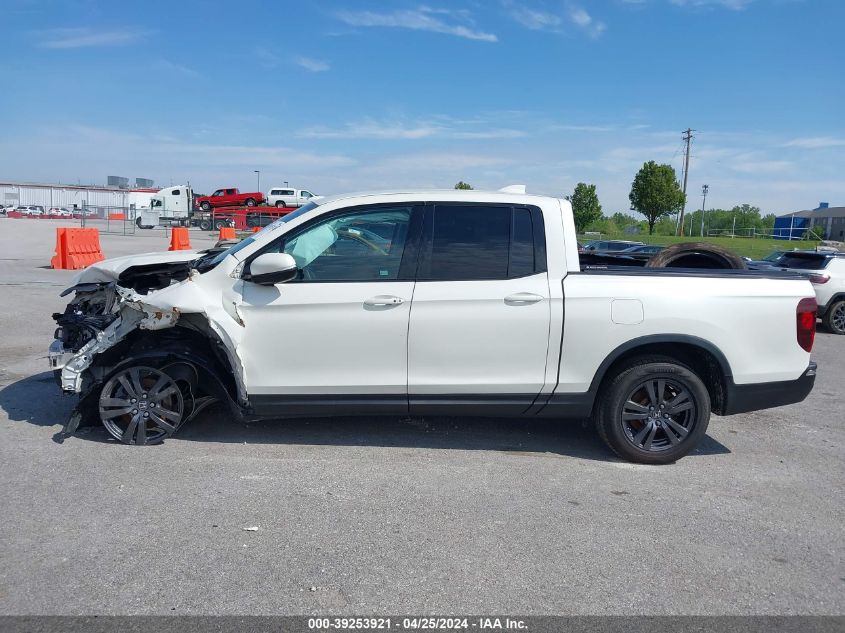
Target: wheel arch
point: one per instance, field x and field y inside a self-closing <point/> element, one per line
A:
<point x="839" y="296"/>
<point x="704" y="358"/>
<point x="177" y="344"/>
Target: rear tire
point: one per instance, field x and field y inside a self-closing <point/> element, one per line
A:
<point x="205" y="225"/>
<point x="834" y="317"/>
<point x="280" y="204"/>
<point x="653" y="411"/>
<point x="250" y="202"/>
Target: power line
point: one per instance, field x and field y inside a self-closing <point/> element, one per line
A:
<point x="688" y="140"/>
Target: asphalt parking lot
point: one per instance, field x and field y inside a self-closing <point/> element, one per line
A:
<point x="359" y="516"/>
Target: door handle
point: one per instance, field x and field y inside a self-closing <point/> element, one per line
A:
<point x="383" y="300"/>
<point x="522" y="298"/>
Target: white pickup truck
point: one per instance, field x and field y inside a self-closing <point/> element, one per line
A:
<point x="427" y="303"/>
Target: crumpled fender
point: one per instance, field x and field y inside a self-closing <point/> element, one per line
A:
<point x="162" y="309"/>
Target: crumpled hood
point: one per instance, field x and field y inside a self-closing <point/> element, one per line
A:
<point x="110" y="269"/>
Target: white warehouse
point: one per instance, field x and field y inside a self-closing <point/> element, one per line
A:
<point x="73" y="196"/>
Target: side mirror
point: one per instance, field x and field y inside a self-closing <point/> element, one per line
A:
<point x="270" y="269"/>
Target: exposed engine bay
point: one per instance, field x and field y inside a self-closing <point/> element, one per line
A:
<point x="176" y="362"/>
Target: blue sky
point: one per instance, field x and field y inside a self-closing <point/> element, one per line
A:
<point x="342" y="96"/>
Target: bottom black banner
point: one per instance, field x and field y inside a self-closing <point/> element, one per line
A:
<point x="491" y="623"/>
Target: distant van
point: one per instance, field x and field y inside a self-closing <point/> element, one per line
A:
<point x="284" y="197"/>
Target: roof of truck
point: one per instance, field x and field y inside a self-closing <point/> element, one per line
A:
<point x="428" y="194"/>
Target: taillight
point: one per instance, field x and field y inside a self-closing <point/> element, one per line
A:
<point x="805" y="322"/>
<point x="819" y="279"/>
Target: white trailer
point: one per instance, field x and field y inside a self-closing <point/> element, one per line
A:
<point x="170" y="206"/>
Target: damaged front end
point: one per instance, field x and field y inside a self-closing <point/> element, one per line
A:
<point x="140" y="365"/>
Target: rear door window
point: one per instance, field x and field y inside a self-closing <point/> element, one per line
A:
<point x="477" y="242"/>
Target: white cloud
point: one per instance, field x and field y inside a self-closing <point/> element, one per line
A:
<point x="536" y="20"/>
<point x="585" y="21"/>
<point x="584" y="128"/>
<point x="86" y="153"/>
<point x="420" y="19"/>
<point x="816" y="142"/>
<point x="87" y="37"/>
<point x="369" y="129"/>
<point x="441" y="126"/>
<point x="311" y="64"/>
<point x="168" y="67"/>
<point x="736" y="5"/>
<point x="539" y="20"/>
<point x="266" y="57"/>
<point x="484" y="149"/>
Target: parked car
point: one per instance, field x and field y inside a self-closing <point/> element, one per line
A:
<point x="285" y="197"/>
<point x="230" y="197"/>
<point x="445" y="302"/>
<point x="60" y="211"/>
<point x="610" y="245"/>
<point x="826" y="272"/>
<point x="33" y="210"/>
<point x="645" y="249"/>
<point x="768" y="261"/>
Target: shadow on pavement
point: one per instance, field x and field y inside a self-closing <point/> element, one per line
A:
<point x="37" y="400"/>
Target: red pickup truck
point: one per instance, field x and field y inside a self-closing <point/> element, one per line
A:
<point x="229" y="197"/>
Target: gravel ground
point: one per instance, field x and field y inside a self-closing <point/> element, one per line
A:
<point x="360" y="516"/>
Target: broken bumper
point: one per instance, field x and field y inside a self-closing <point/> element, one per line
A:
<point x="68" y="366"/>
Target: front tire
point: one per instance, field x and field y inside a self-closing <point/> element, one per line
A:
<point x="205" y="206"/>
<point x="653" y="411"/>
<point x="834" y="317"/>
<point x="141" y="405"/>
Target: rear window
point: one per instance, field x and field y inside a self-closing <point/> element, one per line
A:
<point x="473" y="242"/>
<point x="804" y="261"/>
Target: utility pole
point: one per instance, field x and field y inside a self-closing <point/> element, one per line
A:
<point x="258" y="177"/>
<point x="688" y="140"/>
<point x="704" y="190"/>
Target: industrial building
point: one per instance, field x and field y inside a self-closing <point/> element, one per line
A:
<point x="71" y="197"/>
<point x="825" y="221"/>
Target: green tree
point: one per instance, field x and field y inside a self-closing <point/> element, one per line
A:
<point x="463" y="185"/>
<point x="655" y="192"/>
<point x="585" y="205"/>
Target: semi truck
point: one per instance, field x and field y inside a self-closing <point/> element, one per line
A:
<point x="171" y="206"/>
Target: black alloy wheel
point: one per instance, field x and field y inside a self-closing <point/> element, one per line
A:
<point x="141" y="405"/>
<point x="658" y="414"/>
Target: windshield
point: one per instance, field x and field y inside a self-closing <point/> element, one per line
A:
<point x="210" y="260"/>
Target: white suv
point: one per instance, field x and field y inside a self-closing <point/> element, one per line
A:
<point x="285" y="197"/>
<point x="827" y="274"/>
